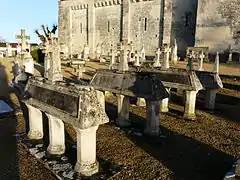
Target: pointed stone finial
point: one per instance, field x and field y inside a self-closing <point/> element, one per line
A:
<point x="174" y="57"/>
<point x="200" y="63"/>
<point x="157" y="59"/>
<point x="216" y="64"/>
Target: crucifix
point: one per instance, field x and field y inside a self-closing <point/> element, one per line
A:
<point x="23" y="38"/>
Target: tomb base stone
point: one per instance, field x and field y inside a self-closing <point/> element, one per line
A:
<point x="123" y="111"/>
<point x="141" y="102"/>
<point x="209" y="101"/>
<point x="35" y="123"/>
<point x="189" y="109"/>
<point x="153" y="121"/>
<point x="56" y="136"/>
<point x="101" y="98"/>
<point x="87" y="164"/>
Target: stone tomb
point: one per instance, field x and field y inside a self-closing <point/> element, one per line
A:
<point x="179" y="79"/>
<point x="211" y="83"/>
<point x="132" y="84"/>
<point x="73" y="104"/>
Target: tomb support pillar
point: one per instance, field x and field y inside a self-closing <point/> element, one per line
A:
<point x="141" y="102"/>
<point x="123" y="111"/>
<point x="101" y="98"/>
<point x="164" y="103"/>
<point x="189" y="109"/>
<point x="153" y="121"/>
<point x="56" y="136"/>
<point x="87" y="164"/>
<point x="210" y="96"/>
<point x="35" y="123"/>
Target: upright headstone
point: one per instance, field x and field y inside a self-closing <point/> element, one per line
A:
<point x="98" y="52"/>
<point x="167" y="51"/>
<point x="230" y="56"/>
<point x="28" y="63"/>
<point x="86" y="52"/>
<point x="131" y="55"/>
<point x="112" y="63"/>
<point x="174" y="57"/>
<point x="143" y="55"/>
<point x="157" y="59"/>
<point x="200" y="63"/>
<point x="216" y="64"/>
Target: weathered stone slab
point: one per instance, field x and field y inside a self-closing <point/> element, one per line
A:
<point x="74" y="104"/>
<point x="209" y="80"/>
<point x="175" y="78"/>
<point x="134" y="84"/>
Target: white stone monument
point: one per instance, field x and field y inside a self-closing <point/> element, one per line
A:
<point x="174" y="57"/>
<point x="143" y="55"/>
<point x="86" y="52"/>
<point x="216" y="64"/>
<point x="167" y="51"/>
<point x="200" y="63"/>
<point x="137" y="59"/>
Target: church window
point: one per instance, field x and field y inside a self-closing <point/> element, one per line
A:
<point x="81" y="28"/>
<point x="145" y="25"/>
<point x="108" y="26"/>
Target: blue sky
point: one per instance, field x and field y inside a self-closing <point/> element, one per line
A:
<point x="26" y="14"/>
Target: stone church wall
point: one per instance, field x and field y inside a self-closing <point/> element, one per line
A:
<point x="145" y="25"/>
<point x="218" y="24"/>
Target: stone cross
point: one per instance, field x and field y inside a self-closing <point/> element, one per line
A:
<point x="23" y="38"/>
<point x="123" y="65"/>
<point x="137" y="60"/>
<point x="200" y="63"/>
<point x="190" y="61"/>
<point x="216" y="64"/>
<point x="174" y="57"/>
<point x="167" y="51"/>
<point x="157" y="59"/>
<point x="53" y="60"/>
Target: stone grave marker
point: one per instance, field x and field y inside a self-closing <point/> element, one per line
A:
<point x="23" y="37"/>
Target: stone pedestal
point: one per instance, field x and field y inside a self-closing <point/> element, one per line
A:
<point x="189" y="109"/>
<point x="35" y="123"/>
<point x="164" y="105"/>
<point x="123" y="111"/>
<point x="101" y="98"/>
<point x="153" y="121"/>
<point x="56" y="136"/>
<point x="141" y="102"/>
<point x="87" y="164"/>
<point x="209" y="101"/>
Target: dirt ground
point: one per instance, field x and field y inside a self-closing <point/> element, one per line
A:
<point x="187" y="150"/>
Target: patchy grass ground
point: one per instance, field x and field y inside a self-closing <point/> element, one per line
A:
<point x="201" y="150"/>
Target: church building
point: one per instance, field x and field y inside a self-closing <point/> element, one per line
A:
<point x="148" y="24"/>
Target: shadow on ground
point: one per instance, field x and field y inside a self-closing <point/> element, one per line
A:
<point x="186" y="157"/>
<point x="9" y="157"/>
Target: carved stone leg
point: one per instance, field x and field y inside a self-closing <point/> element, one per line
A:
<point x="210" y="98"/>
<point x="164" y="105"/>
<point x="56" y="136"/>
<point x="87" y="164"/>
<point x="123" y="111"/>
<point x="141" y="102"/>
<point x="153" y="121"/>
<point x="101" y="98"/>
<point x="189" y="110"/>
<point x="35" y="123"/>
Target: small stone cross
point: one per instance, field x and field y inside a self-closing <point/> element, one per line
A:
<point x="23" y="38"/>
<point x="157" y="60"/>
<point x="200" y="65"/>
